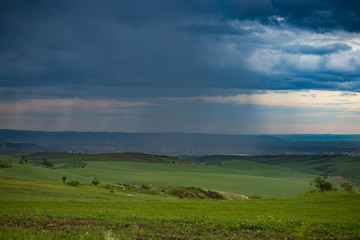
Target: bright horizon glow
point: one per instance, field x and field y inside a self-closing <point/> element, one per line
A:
<point x="291" y="98"/>
<point x="267" y="112"/>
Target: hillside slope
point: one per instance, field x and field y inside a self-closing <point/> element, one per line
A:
<point x="247" y="178"/>
<point x="338" y="166"/>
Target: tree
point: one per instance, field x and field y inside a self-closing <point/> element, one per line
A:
<point x="95" y="181"/>
<point x="322" y="185"/>
<point x="63" y="179"/>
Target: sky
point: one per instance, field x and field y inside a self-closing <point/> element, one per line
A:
<point x="196" y="66"/>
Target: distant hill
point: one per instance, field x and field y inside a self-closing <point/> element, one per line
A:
<point x="57" y="157"/>
<point x="141" y="157"/>
<point x="185" y="144"/>
<point x="12" y="148"/>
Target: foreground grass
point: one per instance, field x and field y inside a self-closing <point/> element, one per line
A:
<point x="41" y="210"/>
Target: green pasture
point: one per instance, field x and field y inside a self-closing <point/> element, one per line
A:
<point x="35" y="204"/>
<point x="49" y="210"/>
<point x="347" y="167"/>
<point x="241" y="177"/>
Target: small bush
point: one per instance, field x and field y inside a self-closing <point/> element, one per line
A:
<point x="147" y="187"/>
<point x="5" y="165"/>
<point x="79" y="164"/>
<point x="322" y="185"/>
<point x="63" y="179"/>
<point x="74" y="183"/>
<point x="47" y="163"/>
<point x="347" y="186"/>
<point x="95" y="181"/>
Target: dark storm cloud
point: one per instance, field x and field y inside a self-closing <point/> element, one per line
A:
<point x="117" y="65"/>
<point x="123" y="44"/>
<point x="76" y="46"/>
<point x="110" y="92"/>
<point x="321" y="15"/>
<point x="222" y="29"/>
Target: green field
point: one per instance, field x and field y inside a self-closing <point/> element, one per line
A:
<point x="241" y="177"/>
<point x="133" y="202"/>
<point x="45" y="210"/>
<point x="346" y="167"/>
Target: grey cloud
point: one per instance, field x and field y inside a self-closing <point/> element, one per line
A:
<point x="135" y="44"/>
<point x="223" y="29"/>
<point x="321" y="15"/>
<point x="317" y="50"/>
<point x="110" y="92"/>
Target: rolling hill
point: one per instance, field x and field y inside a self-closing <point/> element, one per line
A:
<point x="134" y="200"/>
<point x="338" y="166"/>
<point x="241" y="177"/>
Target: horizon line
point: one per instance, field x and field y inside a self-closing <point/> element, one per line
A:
<point x="177" y="132"/>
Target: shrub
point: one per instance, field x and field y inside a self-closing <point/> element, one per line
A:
<point x="74" y="183"/>
<point x="143" y="186"/>
<point x="63" y="179"/>
<point x="95" y="181"/>
<point x="80" y="164"/>
<point x="347" y="186"/>
<point x="5" y="165"/>
<point x="322" y="185"/>
<point x="47" y="163"/>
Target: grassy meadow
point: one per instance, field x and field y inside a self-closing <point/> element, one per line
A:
<point x="347" y="167"/>
<point x="241" y="177"/>
<point x="44" y="210"/>
<point x="133" y="202"/>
